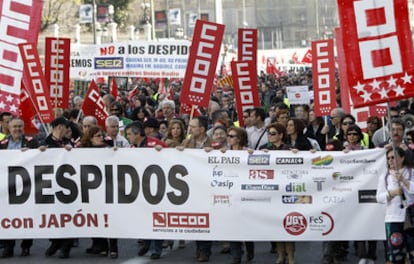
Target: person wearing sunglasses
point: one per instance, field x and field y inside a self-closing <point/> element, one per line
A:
<point x="396" y="188"/>
<point x="345" y="122"/>
<point x="353" y="138"/>
<point x="237" y="140"/>
<point x="276" y="136"/>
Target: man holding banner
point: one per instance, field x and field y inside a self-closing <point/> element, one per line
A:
<point x="17" y="140"/>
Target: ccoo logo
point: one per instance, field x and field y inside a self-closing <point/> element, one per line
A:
<point x="295" y="223"/>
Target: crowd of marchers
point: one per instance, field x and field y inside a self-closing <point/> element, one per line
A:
<point x="150" y="119"/>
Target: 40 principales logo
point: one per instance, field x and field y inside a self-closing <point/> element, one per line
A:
<point x="295" y="223"/>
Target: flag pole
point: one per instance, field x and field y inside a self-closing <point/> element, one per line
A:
<point x="42" y="123"/>
<point x="56" y="78"/>
<point x="394" y="147"/>
<point x="191" y="117"/>
<point x="79" y="115"/>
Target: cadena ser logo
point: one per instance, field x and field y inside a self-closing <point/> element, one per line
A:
<point x="295" y="223"/>
<point x="109" y="63"/>
<point x="181" y="220"/>
<point x="322" y="161"/>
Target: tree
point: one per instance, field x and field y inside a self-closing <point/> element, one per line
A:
<point x="59" y="12"/>
<point x="120" y="10"/>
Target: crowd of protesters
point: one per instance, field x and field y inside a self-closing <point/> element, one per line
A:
<point x="151" y="119"/>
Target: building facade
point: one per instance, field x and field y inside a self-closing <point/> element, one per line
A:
<point x="280" y="24"/>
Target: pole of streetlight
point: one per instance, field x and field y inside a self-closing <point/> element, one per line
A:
<point x="168" y="18"/>
<point x="94" y="20"/>
<point x="152" y="20"/>
<point x="244" y="14"/>
<point x="317" y="18"/>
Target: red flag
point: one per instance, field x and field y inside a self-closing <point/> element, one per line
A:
<point x="202" y="63"/>
<point x="343" y="80"/>
<point x="323" y="71"/>
<point x="27" y="112"/>
<point x="35" y="82"/>
<point x="307" y="58"/>
<point x="223" y="70"/>
<point x="377" y="50"/>
<point x="20" y="24"/>
<point x="245" y="86"/>
<point x="9" y="102"/>
<point x="295" y="57"/>
<point x="247" y="43"/>
<point x="114" y="88"/>
<point x="94" y="104"/>
<point x="132" y="93"/>
<point x="163" y="86"/>
<point x="185" y="109"/>
<point x="272" y="69"/>
<point x="380" y="110"/>
<point x="57" y="67"/>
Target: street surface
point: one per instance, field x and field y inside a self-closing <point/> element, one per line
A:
<point x="306" y="253"/>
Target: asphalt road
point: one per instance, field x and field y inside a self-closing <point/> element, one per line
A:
<point x="306" y="252"/>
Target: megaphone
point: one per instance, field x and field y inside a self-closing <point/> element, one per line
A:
<point x="408" y="121"/>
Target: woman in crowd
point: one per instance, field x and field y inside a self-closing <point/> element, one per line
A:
<point x="237" y="140"/>
<point x="94" y="138"/>
<point x="373" y="124"/>
<point x="163" y="127"/>
<point x="174" y="136"/>
<point x="353" y="138"/>
<point x="395" y="189"/>
<point x="409" y="137"/>
<point x="295" y="136"/>
<point x="140" y="113"/>
<point x="175" y="133"/>
<point x="366" y="250"/>
<point x="276" y="135"/>
<point x="313" y="130"/>
<point x="346" y="121"/>
<point x="282" y="117"/>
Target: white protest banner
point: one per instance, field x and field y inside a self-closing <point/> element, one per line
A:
<point x="298" y="94"/>
<point x="191" y="194"/>
<point x="130" y="59"/>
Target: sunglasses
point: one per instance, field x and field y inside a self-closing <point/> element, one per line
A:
<point x="273" y="133"/>
<point x="347" y="123"/>
<point x="231" y="136"/>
